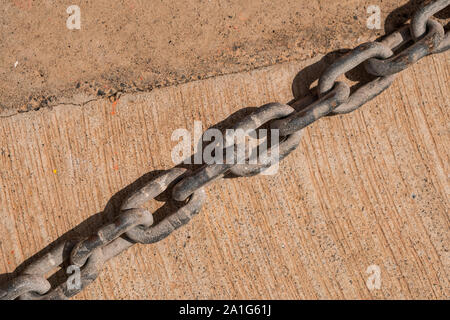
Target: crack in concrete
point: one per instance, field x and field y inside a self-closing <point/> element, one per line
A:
<point x="136" y="90"/>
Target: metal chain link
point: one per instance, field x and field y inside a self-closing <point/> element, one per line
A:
<point x="135" y="224"/>
<point x="212" y="172"/>
<point x="413" y="53"/>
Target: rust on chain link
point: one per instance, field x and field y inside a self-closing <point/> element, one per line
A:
<point x="134" y="224"/>
<point x="419" y="49"/>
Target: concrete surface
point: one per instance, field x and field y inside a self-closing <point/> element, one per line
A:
<point x="137" y="45"/>
<point x="362" y="190"/>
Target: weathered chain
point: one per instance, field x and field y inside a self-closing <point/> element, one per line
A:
<point x="135" y="224"/>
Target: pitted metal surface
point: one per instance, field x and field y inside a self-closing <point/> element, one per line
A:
<point x="136" y="225"/>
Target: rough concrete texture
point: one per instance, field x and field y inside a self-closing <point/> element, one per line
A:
<point x="365" y="190"/>
<point x="136" y="45"/>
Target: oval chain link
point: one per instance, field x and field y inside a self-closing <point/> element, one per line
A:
<point x="25" y="284"/>
<point x="327" y="103"/>
<point x="88" y="273"/>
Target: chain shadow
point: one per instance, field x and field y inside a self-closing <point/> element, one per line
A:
<point x="112" y="208"/>
<point x="302" y="90"/>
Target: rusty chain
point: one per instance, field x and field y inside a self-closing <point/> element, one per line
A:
<point x="135" y="224"/>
